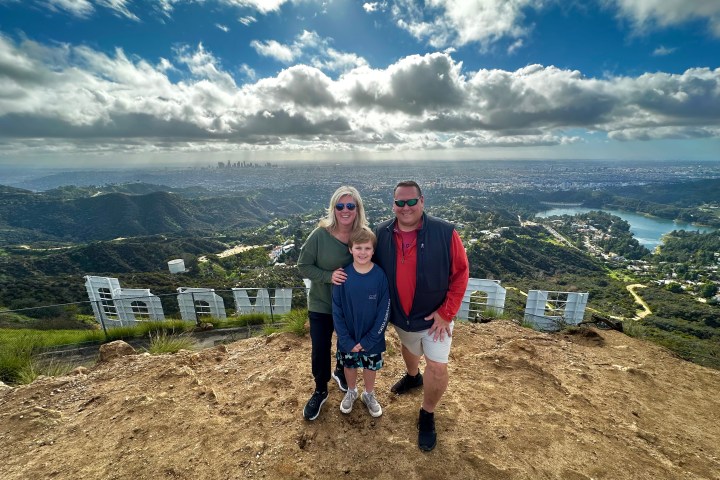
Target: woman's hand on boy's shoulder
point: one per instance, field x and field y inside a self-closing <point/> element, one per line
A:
<point x="338" y="276"/>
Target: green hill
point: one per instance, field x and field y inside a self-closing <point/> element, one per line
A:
<point x="30" y="217"/>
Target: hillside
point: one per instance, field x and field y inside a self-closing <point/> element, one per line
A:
<point x="520" y="405"/>
<point x="137" y="254"/>
<point x="30" y="217"/>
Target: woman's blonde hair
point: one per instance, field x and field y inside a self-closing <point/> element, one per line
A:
<point x="360" y="221"/>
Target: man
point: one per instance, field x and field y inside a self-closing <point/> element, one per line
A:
<point x="427" y="271"/>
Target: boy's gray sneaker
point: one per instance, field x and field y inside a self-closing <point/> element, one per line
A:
<point x="371" y="403"/>
<point x="347" y="401"/>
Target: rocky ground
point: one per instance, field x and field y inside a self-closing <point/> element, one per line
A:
<point x="520" y="405"/>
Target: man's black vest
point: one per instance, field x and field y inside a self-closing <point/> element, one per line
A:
<point x="433" y="270"/>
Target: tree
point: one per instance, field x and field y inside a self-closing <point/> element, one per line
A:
<point x="708" y="290"/>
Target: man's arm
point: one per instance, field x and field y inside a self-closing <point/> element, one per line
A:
<point x="459" y="274"/>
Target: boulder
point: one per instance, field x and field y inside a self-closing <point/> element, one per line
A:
<point x="116" y="349"/>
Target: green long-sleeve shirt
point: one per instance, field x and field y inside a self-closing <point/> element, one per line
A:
<point x="319" y="257"/>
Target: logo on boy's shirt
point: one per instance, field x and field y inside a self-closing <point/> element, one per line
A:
<point x="373" y="296"/>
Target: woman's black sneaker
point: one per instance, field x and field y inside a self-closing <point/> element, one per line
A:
<point x="407" y="383"/>
<point x="339" y="376"/>
<point x="314" y="405"/>
<point x="427" y="437"/>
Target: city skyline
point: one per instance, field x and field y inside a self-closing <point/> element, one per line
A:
<point x="101" y="82"/>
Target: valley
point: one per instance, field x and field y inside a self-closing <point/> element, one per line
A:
<point x="50" y="239"/>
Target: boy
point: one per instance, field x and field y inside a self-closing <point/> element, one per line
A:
<point x="361" y="307"/>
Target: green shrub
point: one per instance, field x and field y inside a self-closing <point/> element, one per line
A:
<point x="526" y="324"/>
<point x="633" y="328"/>
<point x="36" y="367"/>
<point x="270" y="329"/>
<point x="296" y="321"/>
<point x="162" y="342"/>
<point x="243" y="320"/>
<point x="255" y="318"/>
<point x="16" y="355"/>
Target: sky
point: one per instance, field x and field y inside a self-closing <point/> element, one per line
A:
<point x="114" y="82"/>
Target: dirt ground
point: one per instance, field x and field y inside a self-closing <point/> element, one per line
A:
<point x="520" y="405"/>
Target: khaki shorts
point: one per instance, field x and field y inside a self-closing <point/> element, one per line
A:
<point x="420" y="343"/>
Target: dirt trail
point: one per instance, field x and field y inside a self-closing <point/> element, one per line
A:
<point x="520" y="405"/>
<point x="638" y="299"/>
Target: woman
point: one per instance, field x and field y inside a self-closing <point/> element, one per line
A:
<point x="322" y="257"/>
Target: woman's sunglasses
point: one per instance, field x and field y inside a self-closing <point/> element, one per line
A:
<point x="410" y="203"/>
<point x="341" y="206"/>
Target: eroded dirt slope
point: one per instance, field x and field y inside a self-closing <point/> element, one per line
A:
<point x="520" y="404"/>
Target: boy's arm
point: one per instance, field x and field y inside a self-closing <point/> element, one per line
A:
<point x="345" y="342"/>
<point x="382" y="315"/>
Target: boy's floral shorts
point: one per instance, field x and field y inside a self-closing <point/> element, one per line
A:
<point x="371" y="361"/>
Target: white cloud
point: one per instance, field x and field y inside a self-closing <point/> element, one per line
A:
<point x="247" y="20"/>
<point x="276" y="50"/>
<point x="413" y="85"/>
<point x="248" y="72"/>
<point x="79" y="8"/>
<point x="336" y="61"/>
<point x="309" y="40"/>
<point x="222" y="27"/>
<point x="371" y="7"/>
<point x="666" y="100"/>
<point x="515" y="46"/>
<point x="659" y="133"/>
<point x="165" y="65"/>
<point x="55" y="96"/>
<point x="298" y="86"/>
<point x="311" y="48"/>
<point x="649" y="14"/>
<point x="203" y="64"/>
<point x="662" y="51"/>
<point x="85" y="8"/>
<point x="460" y="22"/>
<point x="166" y="6"/>
<point x="119" y="7"/>
<point x="443" y="23"/>
<point x="262" y="6"/>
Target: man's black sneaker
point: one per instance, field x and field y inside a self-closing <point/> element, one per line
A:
<point x="407" y="383"/>
<point x="339" y="376"/>
<point x="427" y="437"/>
<point x="314" y="405"/>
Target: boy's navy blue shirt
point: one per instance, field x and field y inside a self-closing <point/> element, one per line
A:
<point x="361" y="308"/>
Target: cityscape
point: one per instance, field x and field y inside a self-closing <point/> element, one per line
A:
<point x="485" y="175"/>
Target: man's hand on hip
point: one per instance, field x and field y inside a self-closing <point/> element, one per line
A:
<point x="440" y="326"/>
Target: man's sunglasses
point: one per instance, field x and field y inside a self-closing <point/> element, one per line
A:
<point x="341" y="206"/>
<point x="410" y="203"/>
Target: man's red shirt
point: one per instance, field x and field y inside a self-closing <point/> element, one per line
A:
<point x="406" y="267"/>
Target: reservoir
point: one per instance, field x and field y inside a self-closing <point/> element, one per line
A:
<point x="647" y="230"/>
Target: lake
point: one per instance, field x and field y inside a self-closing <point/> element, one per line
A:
<point x="647" y="230"/>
